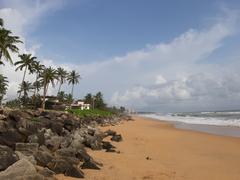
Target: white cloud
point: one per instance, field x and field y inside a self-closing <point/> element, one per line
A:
<point x="167" y="76"/>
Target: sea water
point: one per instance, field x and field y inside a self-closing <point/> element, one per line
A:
<point x="217" y="122"/>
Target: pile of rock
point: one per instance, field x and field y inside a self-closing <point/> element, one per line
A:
<point x="38" y="145"/>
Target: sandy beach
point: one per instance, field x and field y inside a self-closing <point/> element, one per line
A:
<point x="156" y="150"/>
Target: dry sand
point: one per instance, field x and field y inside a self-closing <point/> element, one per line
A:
<point x="174" y="154"/>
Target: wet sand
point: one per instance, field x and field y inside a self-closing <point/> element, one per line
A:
<point x="172" y="154"/>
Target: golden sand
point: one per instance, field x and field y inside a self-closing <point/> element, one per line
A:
<point x="172" y="154"/>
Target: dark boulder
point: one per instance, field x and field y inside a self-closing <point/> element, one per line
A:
<point x="59" y="166"/>
<point x="74" y="172"/>
<point x="7" y="157"/>
<point x="90" y="165"/>
<point x="110" y="132"/>
<point x="10" y="137"/>
<point x="17" y="115"/>
<point x="27" y="148"/>
<point x="57" y="127"/>
<point x="117" y="138"/>
<point x="93" y="142"/>
<point x="83" y="155"/>
<point x="110" y="150"/>
<point x="107" y="145"/>
<point x="45" y="171"/>
<point x="66" y="152"/>
<point x="43" y="158"/>
<point x="54" y="142"/>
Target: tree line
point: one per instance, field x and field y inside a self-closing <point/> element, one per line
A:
<point x="44" y="76"/>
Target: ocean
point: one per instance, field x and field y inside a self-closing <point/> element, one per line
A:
<point x="217" y="122"/>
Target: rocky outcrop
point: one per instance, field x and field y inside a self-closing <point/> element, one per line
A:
<point x="40" y="144"/>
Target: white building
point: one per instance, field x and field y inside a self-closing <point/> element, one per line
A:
<point x="81" y="105"/>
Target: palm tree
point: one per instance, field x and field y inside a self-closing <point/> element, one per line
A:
<point x="27" y="62"/>
<point x="48" y="76"/>
<point x="62" y="75"/>
<point x="3" y="87"/>
<point x="37" y="69"/>
<point x="25" y="87"/>
<point x="73" y="78"/>
<point x="7" y="44"/>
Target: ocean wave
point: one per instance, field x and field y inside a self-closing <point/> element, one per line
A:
<point x="218" y="121"/>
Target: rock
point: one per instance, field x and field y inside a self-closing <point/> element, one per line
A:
<point x="7" y="157"/>
<point x="43" y="158"/>
<point x="148" y="158"/>
<point x="66" y="142"/>
<point x="27" y="148"/>
<point x="110" y="150"/>
<point x="110" y="132"/>
<point x="21" y="170"/>
<point x="69" y="124"/>
<point x="53" y="143"/>
<point x="57" y="127"/>
<point x="33" y="138"/>
<point x="91" y="131"/>
<point x="59" y="166"/>
<point x="107" y="145"/>
<point x="2" y="117"/>
<point x="83" y="155"/>
<point x="117" y="138"/>
<point x="90" y="165"/>
<point x="74" y="172"/>
<point x="10" y="137"/>
<point x="66" y="152"/>
<point x="45" y="171"/>
<point x="17" y="115"/>
<point x="47" y="133"/>
<point x="29" y="158"/>
<point x="94" y="142"/>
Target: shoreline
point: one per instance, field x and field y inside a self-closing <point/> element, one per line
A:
<point x="229" y="131"/>
<point x="157" y="150"/>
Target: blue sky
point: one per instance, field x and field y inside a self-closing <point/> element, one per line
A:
<point x="85" y="31"/>
<point x="144" y="54"/>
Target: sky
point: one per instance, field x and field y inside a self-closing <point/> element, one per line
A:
<point x="149" y="55"/>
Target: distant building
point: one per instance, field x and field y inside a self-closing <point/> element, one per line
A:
<point x="81" y="105"/>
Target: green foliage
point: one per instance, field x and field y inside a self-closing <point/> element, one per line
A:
<point x="16" y="103"/>
<point x="7" y="44"/>
<point x="88" y="99"/>
<point x="91" y="113"/>
<point x="64" y="97"/>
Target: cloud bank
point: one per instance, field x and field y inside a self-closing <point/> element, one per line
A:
<point x="180" y="75"/>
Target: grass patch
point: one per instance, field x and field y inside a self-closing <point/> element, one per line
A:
<point x="91" y="113"/>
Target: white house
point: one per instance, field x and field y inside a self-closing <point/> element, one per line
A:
<point x="81" y="105"/>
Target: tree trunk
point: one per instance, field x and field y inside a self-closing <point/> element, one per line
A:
<point x="23" y="81"/>
<point x="59" y="88"/>
<point x="35" y="90"/>
<point x="44" y="95"/>
<point x="72" y="90"/>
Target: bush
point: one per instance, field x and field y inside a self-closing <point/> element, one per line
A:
<point x="91" y="113"/>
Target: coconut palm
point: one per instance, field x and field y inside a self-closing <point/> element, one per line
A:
<point x="25" y="87"/>
<point x="27" y="62"/>
<point x="37" y="69"/>
<point x="48" y="76"/>
<point x="73" y="78"/>
<point x="61" y="75"/>
<point x="3" y="87"/>
<point x="7" y="44"/>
